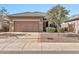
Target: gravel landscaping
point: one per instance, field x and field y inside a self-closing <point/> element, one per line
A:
<point x="60" y="37"/>
<point x="42" y="37"/>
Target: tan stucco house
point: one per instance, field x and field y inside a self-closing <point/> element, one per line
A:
<point x="27" y="22"/>
<point x="72" y="24"/>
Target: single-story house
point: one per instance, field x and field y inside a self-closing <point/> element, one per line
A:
<point x="35" y="22"/>
<point x="72" y="24"/>
<point x="27" y="22"/>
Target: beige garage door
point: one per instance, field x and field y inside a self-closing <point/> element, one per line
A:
<point x="26" y="26"/>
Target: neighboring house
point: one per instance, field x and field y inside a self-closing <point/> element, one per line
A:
<point x="27" y="22"/>
<point x="72" y="24"/>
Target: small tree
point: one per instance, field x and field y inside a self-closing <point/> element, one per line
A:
<point x="57" y="15"/>
<point x="4" y="21"/>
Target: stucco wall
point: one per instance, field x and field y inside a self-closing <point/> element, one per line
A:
<point x="76" y="22"/>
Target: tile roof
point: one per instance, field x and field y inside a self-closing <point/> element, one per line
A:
<point x="36" y="14"/>
<point x="73" y="18"/>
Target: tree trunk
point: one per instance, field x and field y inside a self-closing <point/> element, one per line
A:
<point x="1" y="27"/>
<point x="49" y="24"/>
<point x="58" y="28"/>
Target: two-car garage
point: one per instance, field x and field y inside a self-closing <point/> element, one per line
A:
<point x="26" y="26"/>
<point x="27" y="22"/>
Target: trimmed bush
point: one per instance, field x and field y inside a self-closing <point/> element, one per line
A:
<point x="61" y="30"/>
<point x="50" y="29"/>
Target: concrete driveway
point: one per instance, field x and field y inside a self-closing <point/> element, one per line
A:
<point x="25" y="45"/>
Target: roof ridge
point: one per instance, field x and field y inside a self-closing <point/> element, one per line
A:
<point x="27" y="12"/>
<point x="74" y="15"/>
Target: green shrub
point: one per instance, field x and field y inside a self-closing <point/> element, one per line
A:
<point x="61" y="30"/>
<point x="50" y="29"/>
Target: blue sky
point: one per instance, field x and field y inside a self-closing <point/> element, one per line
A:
<point x="16" y="8"/>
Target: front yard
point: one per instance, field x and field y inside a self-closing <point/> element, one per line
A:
<point x="29" y="41"/>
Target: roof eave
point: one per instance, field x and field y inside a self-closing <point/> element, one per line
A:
<point x="25" y="16"/>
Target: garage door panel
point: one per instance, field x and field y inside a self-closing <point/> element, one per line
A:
<point x="26" y="26"/>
